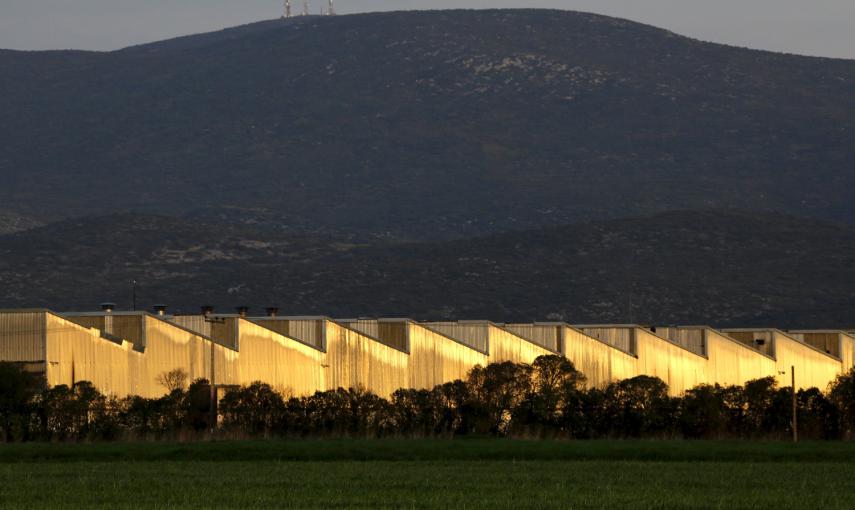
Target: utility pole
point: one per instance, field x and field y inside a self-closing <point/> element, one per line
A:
<point x="795" y="406"/>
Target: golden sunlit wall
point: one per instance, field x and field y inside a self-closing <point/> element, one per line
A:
<point x="506" y="346"/>
<point x="77" y="353"/>
<point x="357" y="361"/>
<point x="814" y="368"/>
<point x="680" y="368"/>
<point x="847" y="351"/>
<point x="292" y="367"/>
<point x="69" y="351"/>
<point x="436" y="359"/>
<point x="732" y="362"/>
<point x="168" y="346"/>
<point x="600" y="362"/>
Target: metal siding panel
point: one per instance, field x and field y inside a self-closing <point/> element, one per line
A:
<point x="546" y="335"/>
<point x="293" y="368"/>
<point x="506" y="346"/>
<point x="678" y="367"/>
<point x="436" y="359"/>
<point x="22" y="336"/>
<point x="601" y="363"/>
<point x="475" y="335"/>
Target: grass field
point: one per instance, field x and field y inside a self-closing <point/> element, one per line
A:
<point x="472" y="473"/>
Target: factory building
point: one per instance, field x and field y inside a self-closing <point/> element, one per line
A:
<point x="124" y="353"/>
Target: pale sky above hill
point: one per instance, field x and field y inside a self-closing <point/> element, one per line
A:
<point x="809" y="27"/>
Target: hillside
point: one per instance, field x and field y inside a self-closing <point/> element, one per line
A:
<point x="425" y="125"/>
<point x="723" y="268"/>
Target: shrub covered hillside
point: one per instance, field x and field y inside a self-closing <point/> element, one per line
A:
<point x="546" y="399"/>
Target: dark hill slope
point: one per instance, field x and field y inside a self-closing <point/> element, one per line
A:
<point x="427" y="124"/>
<point x="723" y="268"/>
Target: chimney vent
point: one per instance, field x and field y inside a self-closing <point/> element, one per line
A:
<point x="242" y="311"/>
<point x="272" y="311"/>
<point x="207" y="310"/>
<point x="160" y="309"/>
<point x="108" y="307"/>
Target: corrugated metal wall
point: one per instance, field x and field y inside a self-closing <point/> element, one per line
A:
<point x="753" y="338"/>
<point x="847" y="351"/>
<point x="307" y="330"/>
<point x="826" y="341"/>
<point x="290" y="366"/>
<point x="545" y="335"/>
<point x="78" y="353"/>
<point x="169" y="347"/>
<point x="390" y="332"/>
<point x="74" y="352"/>
<point x="814" y="368"/>
<point x="357" y="361"/>
<point x="732" y="362"/>
<point x="195" y="323"/>
<point x="22" y="336"/>
<point x="118" y="326"/>
<point x="686" y="337"/>
<point x="436" y="359"/>
<point x="679" y="367"/>
<point x="506" y="346"/>
<point x="600" y="362"/>
<point x="473" y="334"/>
<point x="622" y="337"/>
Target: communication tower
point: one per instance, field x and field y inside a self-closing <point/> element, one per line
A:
<point x="305" y="7"/>
<point x="287" y="8"/>
<point x="331" y="8"/>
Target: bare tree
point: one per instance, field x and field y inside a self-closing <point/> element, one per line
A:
<point x="175" y="379"/>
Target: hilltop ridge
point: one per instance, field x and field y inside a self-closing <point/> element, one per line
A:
<point x="426" y="125"/>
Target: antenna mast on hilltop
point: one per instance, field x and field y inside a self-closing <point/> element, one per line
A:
<point x="331" y="8"/>
<point x="287" y="8"/>
<point x="305" y="7"/>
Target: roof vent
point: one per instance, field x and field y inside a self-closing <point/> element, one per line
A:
<point x="108" y="307"/>
<point x="160" y="309"/>
<point x="207" y="310"/>
<point x="242" y="311"/>
<point x="272" y="311"/>
<point x="760" y="341"/>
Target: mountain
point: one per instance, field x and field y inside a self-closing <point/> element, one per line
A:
<point x="425" y="125"/>
<point x="724" y="268"/>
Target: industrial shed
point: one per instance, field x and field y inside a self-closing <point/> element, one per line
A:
<point x="123" y="353"/>
<point x="162" y="346"/>
<point x="302" y="355"/>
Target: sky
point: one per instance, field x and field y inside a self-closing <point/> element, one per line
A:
<point x="807" y="27"/>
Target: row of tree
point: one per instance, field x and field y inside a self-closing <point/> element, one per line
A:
<point x="547" y="398"/>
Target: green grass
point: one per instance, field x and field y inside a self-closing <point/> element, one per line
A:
<point x="430" y="474"/>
